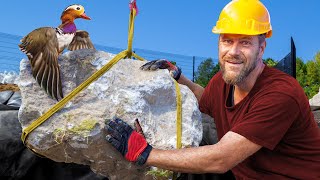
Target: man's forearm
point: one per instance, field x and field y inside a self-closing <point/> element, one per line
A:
<point x="232" y="149"/>
<point x="191" y="160"/>
<point x="195" y="88"/>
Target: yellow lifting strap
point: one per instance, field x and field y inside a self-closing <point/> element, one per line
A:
<point x="179" y="115"/>
<point x="179" y="122"/>
<point x="124" y="54"/>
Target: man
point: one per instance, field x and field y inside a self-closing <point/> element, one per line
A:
<point x="265" y="126"/>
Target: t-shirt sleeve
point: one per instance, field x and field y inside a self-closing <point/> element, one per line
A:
<point x="268" y="119"/>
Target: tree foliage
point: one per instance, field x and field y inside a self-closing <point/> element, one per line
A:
<point x="205" y="72"/>
<point x="270" y="62"/>
<point x="301" y="70"/>
<point x="308" y="75"/>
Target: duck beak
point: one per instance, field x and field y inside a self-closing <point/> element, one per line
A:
<point x="84" y="16"/>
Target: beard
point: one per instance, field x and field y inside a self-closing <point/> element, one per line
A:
<point x="232" y="77"/>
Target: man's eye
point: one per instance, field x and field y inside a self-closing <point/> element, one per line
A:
<point x="227" y="41"/>
<point x="245" y="43"/>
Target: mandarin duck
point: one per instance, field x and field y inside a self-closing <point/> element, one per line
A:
<point x="43" y="46"/>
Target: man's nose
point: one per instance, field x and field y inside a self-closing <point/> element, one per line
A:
<point x="235" y="49"/>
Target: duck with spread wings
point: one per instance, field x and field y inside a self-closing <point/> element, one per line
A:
<point x="43" y="46"/>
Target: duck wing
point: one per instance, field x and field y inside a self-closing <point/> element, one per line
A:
<point x="41" y="47"/>
<point x="81" y="40"/>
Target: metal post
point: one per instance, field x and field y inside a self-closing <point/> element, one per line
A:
<point x="293" y="58"/>
<point x="193" y="62"/>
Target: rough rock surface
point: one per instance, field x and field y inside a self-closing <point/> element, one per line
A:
<point x="9" y="77"/>
<point x="76" y="134"/>
<point x="316" y="113"/>
<point x="315" y="100"/>
<point x="315" y="106"/>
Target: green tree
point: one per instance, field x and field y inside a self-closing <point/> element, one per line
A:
<point x="205" y="71"/>
<point x="216" y="69"/>
<point x="317" y="60"/>
<point x="317" y="57"/>
<point x="270" y="62"/>
<point x="301" y="71"/>
<point x="312" y="78"/>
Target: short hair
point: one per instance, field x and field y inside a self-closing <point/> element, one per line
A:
<point x="262" y="38"/>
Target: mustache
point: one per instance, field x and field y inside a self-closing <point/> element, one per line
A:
<point x="233" y="59"/>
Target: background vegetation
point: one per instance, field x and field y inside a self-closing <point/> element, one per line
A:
<point x="308" y="74"/>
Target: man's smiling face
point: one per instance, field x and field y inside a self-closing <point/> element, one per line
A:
<point x="238" y="56"/>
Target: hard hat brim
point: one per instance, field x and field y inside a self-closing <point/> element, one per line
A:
<point x="219" y="31"/>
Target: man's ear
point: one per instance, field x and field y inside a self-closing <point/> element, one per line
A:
<point x="262" y="48"/>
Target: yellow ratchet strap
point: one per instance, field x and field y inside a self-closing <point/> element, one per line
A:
<point x="179" y="115"/>
<point x="179" y="122"/>
<point x="131" y="31"/>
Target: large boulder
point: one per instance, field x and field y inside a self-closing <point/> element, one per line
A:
<point x="315" y="100"/>
<point x="316" y="113"/>
<point x="315" y="107"/>
<point x="75" y="134"/>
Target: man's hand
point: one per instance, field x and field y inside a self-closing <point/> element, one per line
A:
<point x="130" y="143"/>
<point x="174" y="71"/>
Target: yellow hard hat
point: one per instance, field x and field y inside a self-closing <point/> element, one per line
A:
<point x="249" y="17"/>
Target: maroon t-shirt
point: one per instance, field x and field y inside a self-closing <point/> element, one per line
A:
<point x="276" y="115"/>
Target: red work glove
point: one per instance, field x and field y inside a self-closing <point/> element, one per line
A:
<point x="174" y="71"/>
<point x="130" y="143"/>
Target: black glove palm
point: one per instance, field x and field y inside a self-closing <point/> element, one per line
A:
<point x="119" y="135"/>
<point x="131" y="144"/>
<point x="174" y="71"/>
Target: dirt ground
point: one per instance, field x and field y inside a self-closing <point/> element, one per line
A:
<point x="7" y="87"/>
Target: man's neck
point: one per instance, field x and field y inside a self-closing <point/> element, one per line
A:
<point x="242" y="89"/>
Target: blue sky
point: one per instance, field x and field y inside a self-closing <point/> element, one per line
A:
<point x="182" y="27"/>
